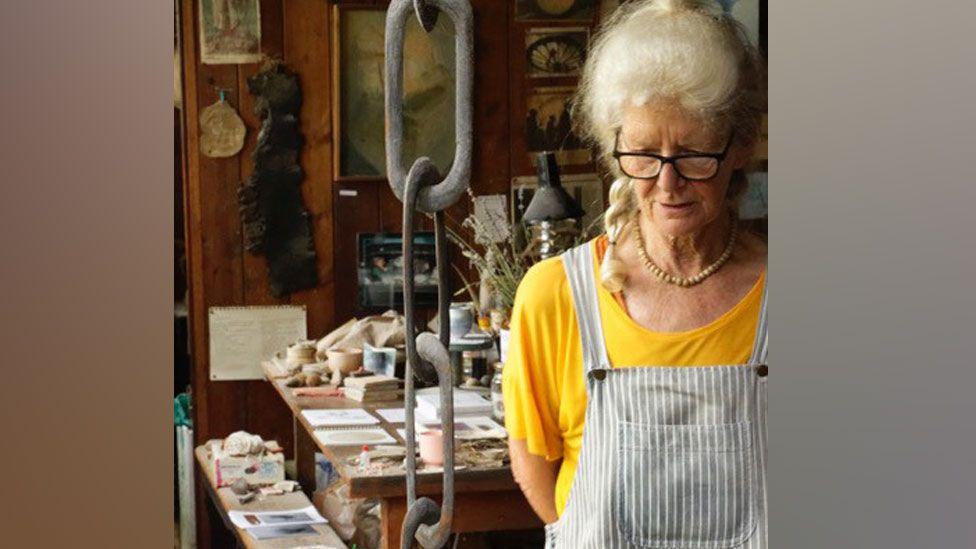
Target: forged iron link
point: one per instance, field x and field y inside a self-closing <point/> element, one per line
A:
<point x="423" y="189"/>
<point x="447" y="192"/>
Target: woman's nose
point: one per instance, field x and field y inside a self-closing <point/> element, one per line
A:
<point x="668" y="179"/>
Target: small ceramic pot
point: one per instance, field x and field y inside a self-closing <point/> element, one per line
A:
<point x="462" y="319"/>
<point x="432" y="447"/>
<point x="343" y="360"/>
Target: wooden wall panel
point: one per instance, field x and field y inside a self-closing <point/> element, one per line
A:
<point x="256" y="283"/>
<point x="213" y="249"/>
<point x="490" y="162"/>
<point x="307" y="51"/>
<point x="356" y="211"/>
<point x="265" y="414"/>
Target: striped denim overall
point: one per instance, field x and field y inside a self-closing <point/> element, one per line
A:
<point x="672" y="457"/>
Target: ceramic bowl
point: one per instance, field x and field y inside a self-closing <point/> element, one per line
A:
<point x="344" y="360"/>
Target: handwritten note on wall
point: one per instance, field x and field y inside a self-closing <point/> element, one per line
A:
<point x="242" y="337"/>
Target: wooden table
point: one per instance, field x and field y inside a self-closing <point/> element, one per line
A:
<point x="225" y="500"/>
<point x="484" y="499"/>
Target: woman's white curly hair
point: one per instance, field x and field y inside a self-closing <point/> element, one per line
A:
<point x="683" y="52"/>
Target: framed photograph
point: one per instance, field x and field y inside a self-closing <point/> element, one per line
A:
<point x="428" y="84"/>
<point x="230" y="31"/>
<point x="555" y="52"/>
<point x="586" y="189"/>
<point x="555" y="10"/>
<point x="548" y="126"/>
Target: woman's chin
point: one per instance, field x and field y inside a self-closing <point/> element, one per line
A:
<point x="678" y="226"/>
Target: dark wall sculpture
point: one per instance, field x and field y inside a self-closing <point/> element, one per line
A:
<point x="276" y="223"/>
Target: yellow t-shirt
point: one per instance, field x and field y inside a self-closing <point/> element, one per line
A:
<point x="545" y="398"/>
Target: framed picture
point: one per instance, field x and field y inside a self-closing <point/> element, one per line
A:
<point x="555" y="52"/>
<point x="586" y="189"/>
<point x="555" y="10"/>
<point x="380" y="270"/>
<point x="230" y="31"/>
<point x="548" y="126"/>
<point x="428" y="84"/>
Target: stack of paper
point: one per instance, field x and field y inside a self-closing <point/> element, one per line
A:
<point x="466" y="403"/>
<point x="372" y="388"/>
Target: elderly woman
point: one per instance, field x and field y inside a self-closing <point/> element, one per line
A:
<point x="635" y="392"/>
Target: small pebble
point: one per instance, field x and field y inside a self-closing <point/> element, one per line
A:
<point x="294" y="381"/>
<point x="240" y="487"/>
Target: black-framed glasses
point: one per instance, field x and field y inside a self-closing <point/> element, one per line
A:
<point x="693" y="166"/>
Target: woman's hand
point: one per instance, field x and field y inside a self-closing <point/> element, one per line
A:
<point x="537" y="479"/>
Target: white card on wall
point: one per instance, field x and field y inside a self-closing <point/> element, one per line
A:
<point x="242" y="337"/>
<point x="492" y="212"/>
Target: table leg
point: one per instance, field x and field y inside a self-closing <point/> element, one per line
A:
<point x="305" y="459"/>
<point x="392" y="511"/>
<point x="473" y="512"/>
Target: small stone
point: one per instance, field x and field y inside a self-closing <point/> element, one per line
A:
<point x="240" y="487"/>
<point x="247" y="497"/>
<point x="295" y="381"/>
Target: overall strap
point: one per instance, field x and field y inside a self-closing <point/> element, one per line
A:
<point x="762" y="336"/>
<point x="579" y="266"/>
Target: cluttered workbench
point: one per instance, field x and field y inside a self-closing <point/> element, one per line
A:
<point x="227" y="503"/>
<point x="486" y="495"/>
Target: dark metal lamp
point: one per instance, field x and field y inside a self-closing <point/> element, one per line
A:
<point x="553" y="217"/>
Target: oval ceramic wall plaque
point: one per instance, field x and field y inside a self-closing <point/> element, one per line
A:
<point x="221" y="130"/>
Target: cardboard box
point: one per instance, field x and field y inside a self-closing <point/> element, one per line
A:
<point x="260" y="470"/>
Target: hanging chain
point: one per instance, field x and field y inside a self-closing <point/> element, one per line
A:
<point x="422" y="189"/>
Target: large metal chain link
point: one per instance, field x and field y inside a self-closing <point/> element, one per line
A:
<point x="423" y="189"/>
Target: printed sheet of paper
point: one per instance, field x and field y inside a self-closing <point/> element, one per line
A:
<point x="242" y="337"/>
<point x="254" y="519"/>
<point x="465" y="427"/>
<point x="354" y="437"/>
<point x="338" y="417"/>
<point x="280" y="531"/>
<point x="393" y="415"/>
